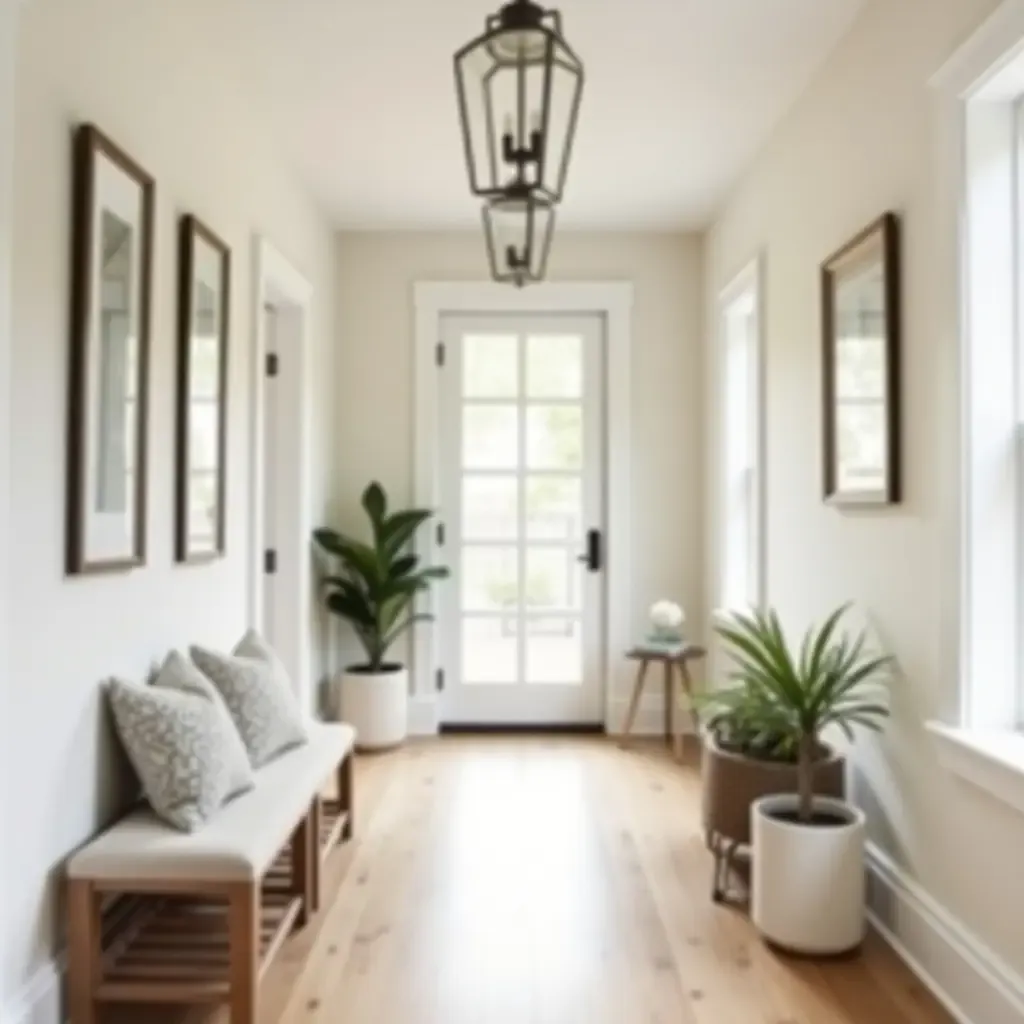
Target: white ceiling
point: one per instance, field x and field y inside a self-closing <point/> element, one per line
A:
<point x="679" y="95"/>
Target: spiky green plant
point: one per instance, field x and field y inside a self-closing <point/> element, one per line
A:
<point x="379" y="581"/>
<point x="791" y="699"/>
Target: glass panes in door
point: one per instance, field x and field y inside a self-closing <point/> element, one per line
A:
<point x="523" y="455"/>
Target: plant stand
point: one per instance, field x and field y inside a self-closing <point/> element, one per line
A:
<point x="676" y="665"/>
<point x="724" y="851"/>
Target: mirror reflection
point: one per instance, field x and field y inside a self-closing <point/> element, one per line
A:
<point x="116" y="415"/>
<point x="204" y="389"/>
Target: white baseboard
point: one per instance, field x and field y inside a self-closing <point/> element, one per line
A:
<point x="422" y="716"/>
<point x="39" y="1002"/>
<point x="650" y="718"/>
<point x="969" y="979"/>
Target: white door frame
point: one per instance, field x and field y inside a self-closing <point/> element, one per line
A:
<point x="613" y="300"/>
<point x="280" y="284"/>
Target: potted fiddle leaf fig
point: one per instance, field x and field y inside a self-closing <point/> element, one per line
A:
<point x="807" y="884"/>
<point x="375" y="590"/>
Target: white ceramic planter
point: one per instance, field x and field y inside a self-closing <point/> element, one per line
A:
<point x="807" y="884"/>
<point x="377" y="705"/>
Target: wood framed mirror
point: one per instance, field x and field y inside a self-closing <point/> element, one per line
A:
<point x="111" y="280"/>
<point x="861" y="368"/>
<point x="204" y="295"/>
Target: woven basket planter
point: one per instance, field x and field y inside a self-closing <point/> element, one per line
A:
<point x="732" y="782"/>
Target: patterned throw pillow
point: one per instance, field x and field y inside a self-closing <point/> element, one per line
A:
<point x="252" y="645"/>
<point x="178" y="673"/>
<point x="260" y="701"/>
<point x="181" y="747"/>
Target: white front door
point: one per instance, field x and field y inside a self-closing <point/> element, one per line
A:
<point x="522" y="458"/>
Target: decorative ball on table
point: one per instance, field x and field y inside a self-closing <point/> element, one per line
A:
<point x="667" y="620"/>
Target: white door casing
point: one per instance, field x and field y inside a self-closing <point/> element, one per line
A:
<point x="522" y="464"/>
<point x="281" y="286"/>
<point x="613" y="301"/>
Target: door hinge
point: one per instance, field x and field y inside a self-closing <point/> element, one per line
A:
<point x="439" y="679"/>
<point x="439" y="353"/>
<point x="440" y="535"/>
<point x="270" y="561"/>
<point x="272" y="364"/>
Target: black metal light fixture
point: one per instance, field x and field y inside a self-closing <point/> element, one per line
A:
<point x="518" y="226"/>
<point x="519" y="87"/>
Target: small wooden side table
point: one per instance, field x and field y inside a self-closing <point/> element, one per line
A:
<point x="674" y="662"/>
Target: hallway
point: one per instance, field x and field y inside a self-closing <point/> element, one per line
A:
<point x="549" y="881"/>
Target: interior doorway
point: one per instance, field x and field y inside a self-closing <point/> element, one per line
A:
<point x="280" y="572"/>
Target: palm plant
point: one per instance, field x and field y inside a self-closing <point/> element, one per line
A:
<point x="378" y="581"/>
<point x="786" y="701"/>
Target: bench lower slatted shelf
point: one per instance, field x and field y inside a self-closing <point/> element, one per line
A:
<point x="181" y="946"/>
<point x="334" y="828"/>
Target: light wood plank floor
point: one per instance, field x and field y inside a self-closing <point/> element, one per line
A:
<point x="549" y="881"/>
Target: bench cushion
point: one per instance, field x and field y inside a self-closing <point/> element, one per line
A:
<point x="240" y="842"/>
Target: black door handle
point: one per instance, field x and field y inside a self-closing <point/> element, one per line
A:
<point x="592" y="558"/>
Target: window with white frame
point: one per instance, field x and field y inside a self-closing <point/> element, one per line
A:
<point x="992" y="403"/>
<point x="739" y="399"/>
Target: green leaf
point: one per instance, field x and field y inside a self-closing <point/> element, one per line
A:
<point x="358" y="558"/>
<point x="375" y="503"/>
<point x="348" y="607"/>
<point x="406" y="624"/>
<point x="403" y="566"/>
<point x="397" y="530"/>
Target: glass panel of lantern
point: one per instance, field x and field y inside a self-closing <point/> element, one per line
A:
<point x="518" y="230"/>
<point x="519" y="88"/>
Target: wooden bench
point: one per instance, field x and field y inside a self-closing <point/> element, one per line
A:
<point x="161" y="916"/>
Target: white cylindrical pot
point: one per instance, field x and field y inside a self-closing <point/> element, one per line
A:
<point x="807" y="883"/>
<point x="376" y="704"/>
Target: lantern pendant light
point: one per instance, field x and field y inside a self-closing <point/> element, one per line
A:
<point x="518" y="228"/>
<point x="519" y="87"/>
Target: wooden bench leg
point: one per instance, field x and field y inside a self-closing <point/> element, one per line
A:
<point x="316" y="831"/>
<point x="84" y="949"/>
<point x="346" y="795"/>
<point x="305" y="855"/>
<point x="244" y="951"/>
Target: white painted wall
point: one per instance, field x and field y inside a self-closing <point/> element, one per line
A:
<point x="8" y="19"/>
<point x="859" y="142"/>
<point x="154" y="77"/>
<point x="374" y="426"/>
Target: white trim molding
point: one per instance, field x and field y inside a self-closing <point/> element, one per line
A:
<point x="277" y="282"/>
<point x="974" y="94"/>
<point x="750" y="279"/>
<point x="614" y="301"/>
<point x="992" y="760"/>
<point x="971" y="981"/>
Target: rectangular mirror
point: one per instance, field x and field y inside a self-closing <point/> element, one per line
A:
<point x="204" y="297"/>
<point x="860" y="361"/>
<point x="110" y="281"/>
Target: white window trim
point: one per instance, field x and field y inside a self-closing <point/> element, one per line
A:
<point x="983" y="745"/>
<point x="614" y="301"/>
<point x="750" y="278"/>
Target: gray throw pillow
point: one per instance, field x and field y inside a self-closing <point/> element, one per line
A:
<point x="178" y="673"/>
<point x="260" y="700"/>
<point x="182" y="747"/>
